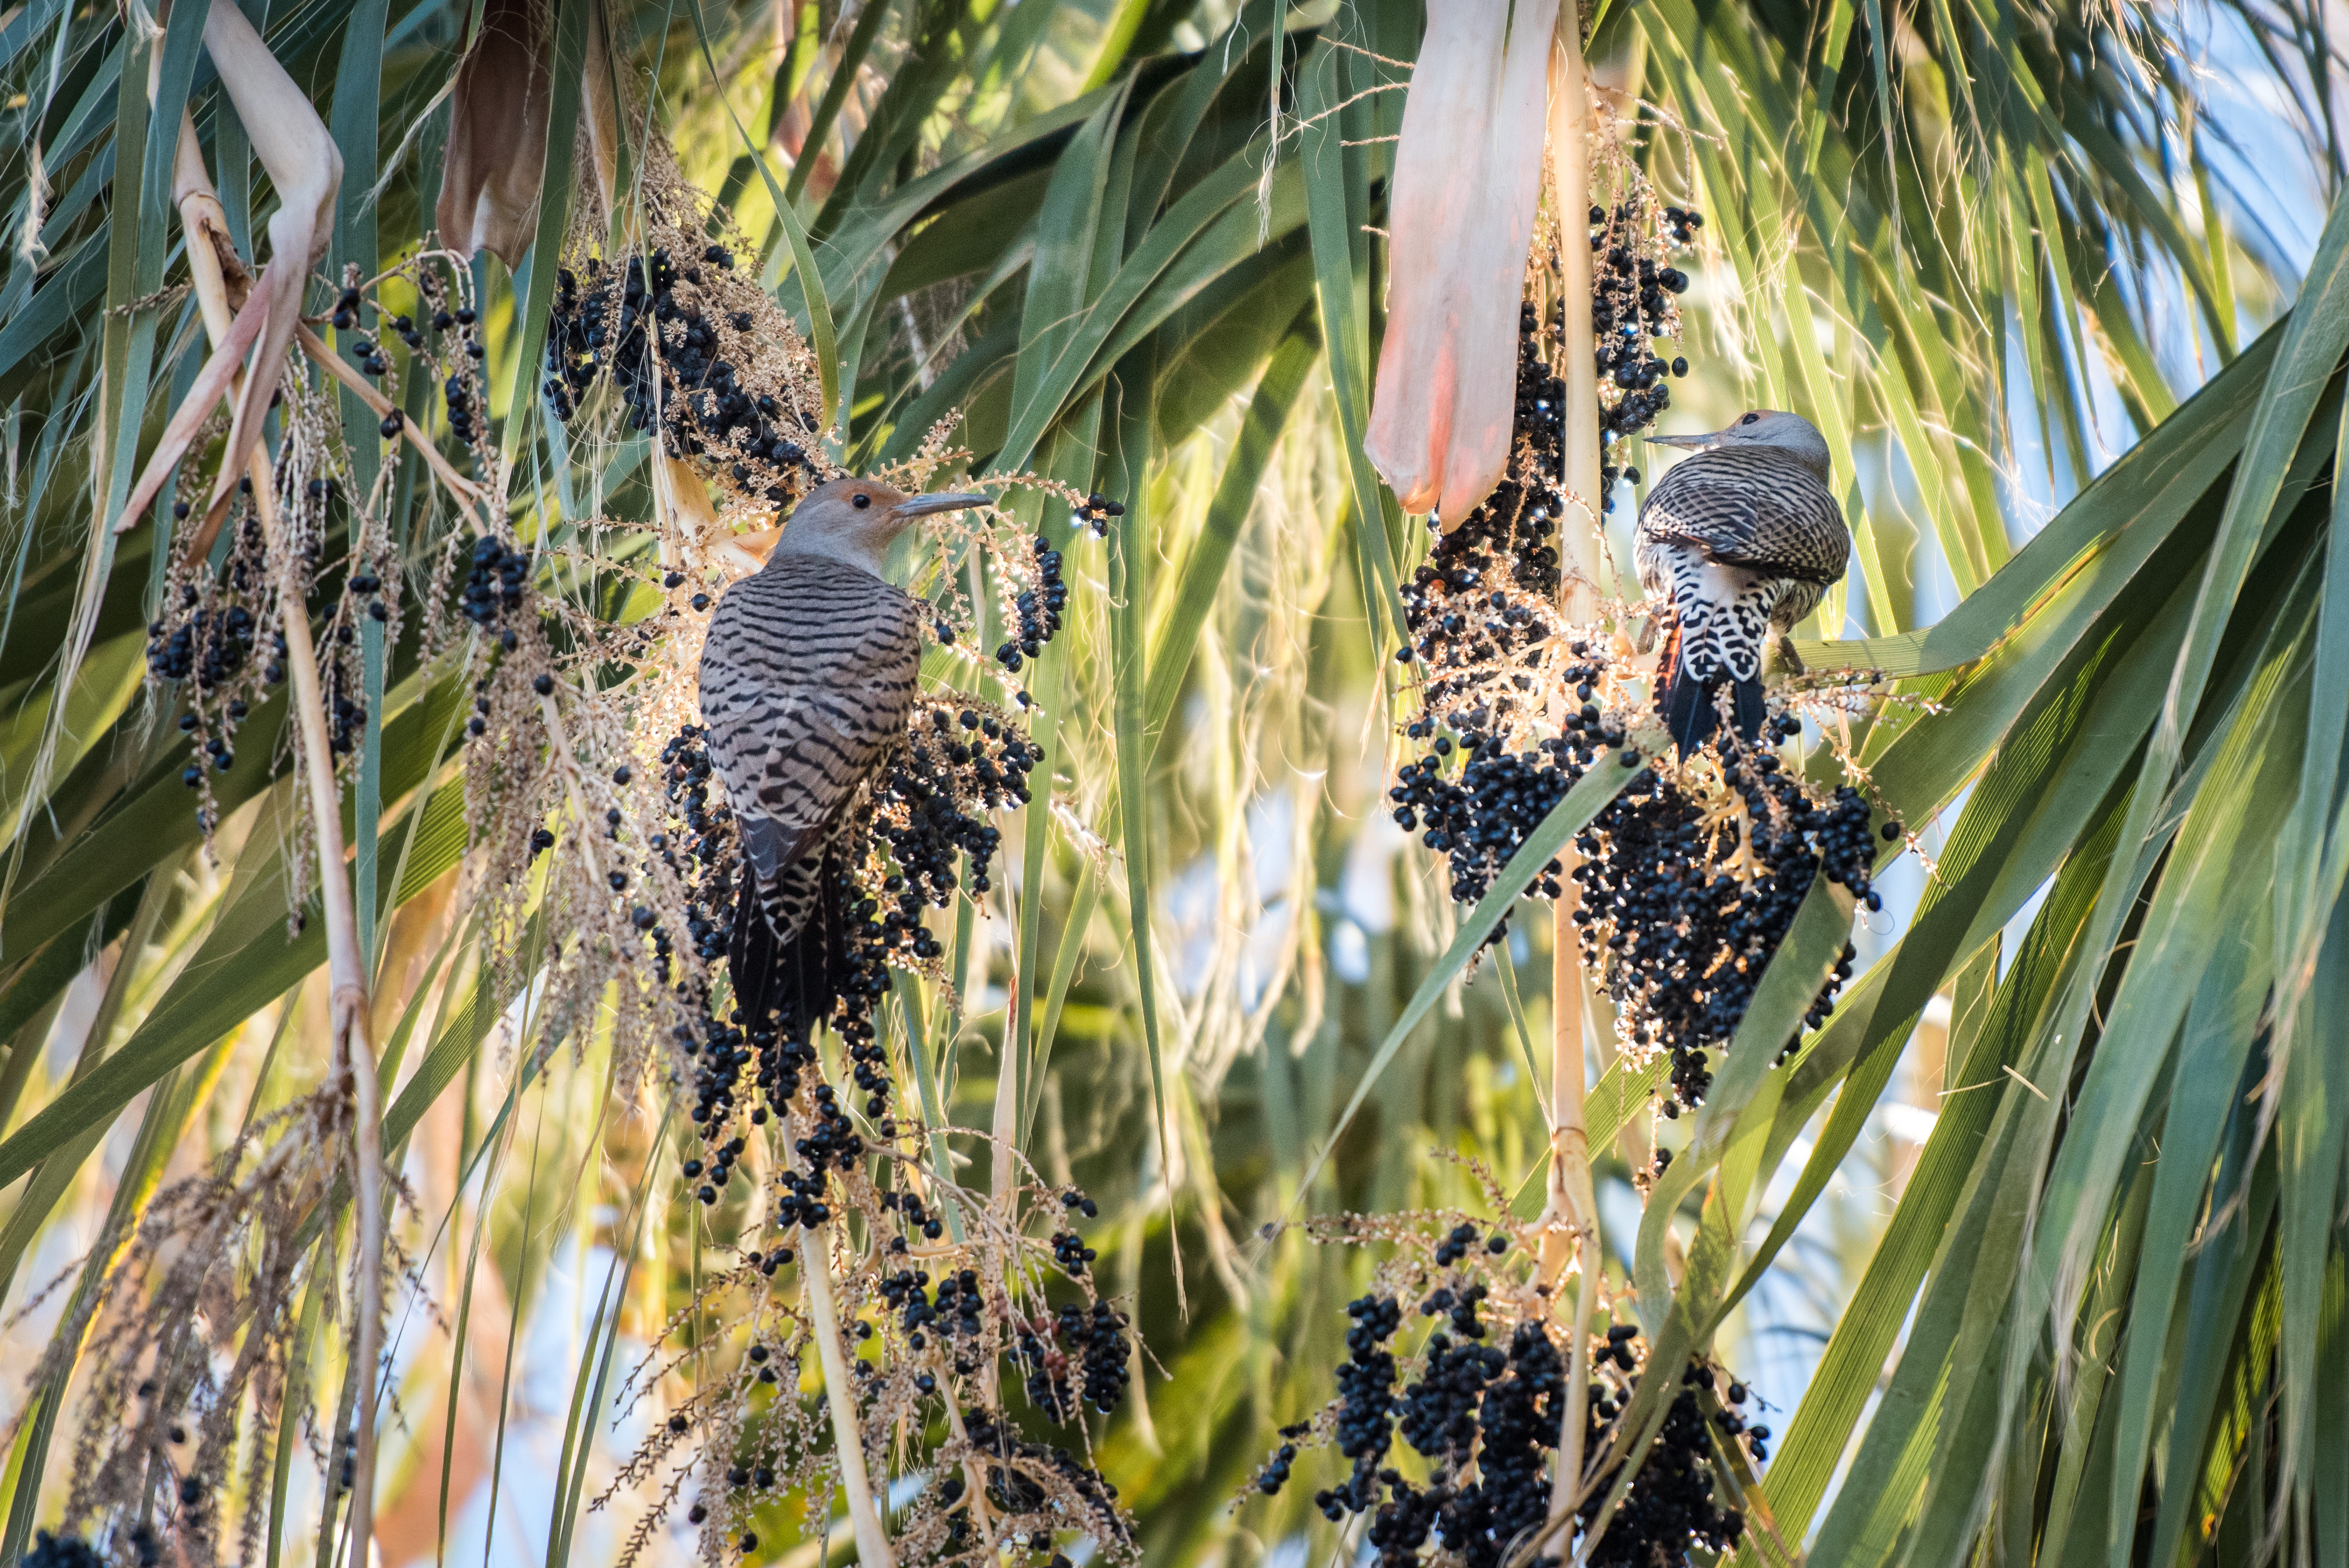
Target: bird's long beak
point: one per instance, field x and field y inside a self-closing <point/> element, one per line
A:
<point x="1692" y="443"/>
<point x="940" y="501"/>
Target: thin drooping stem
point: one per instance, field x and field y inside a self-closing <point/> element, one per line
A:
<point x="352" y="1049"/>
<point x="873" y="1549"/>
<point x="1570" y="1198"/>
<point x="464" y="490"/>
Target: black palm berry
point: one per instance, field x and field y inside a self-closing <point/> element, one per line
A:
<point x="1036" y="610"/>
<point x="662" y="347"/>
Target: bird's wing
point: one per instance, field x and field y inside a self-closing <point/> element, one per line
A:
<point x="1751" y="508"/>
<point x="807" y="678"/>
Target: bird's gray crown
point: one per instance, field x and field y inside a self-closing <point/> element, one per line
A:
<point x="1789" y="434"/>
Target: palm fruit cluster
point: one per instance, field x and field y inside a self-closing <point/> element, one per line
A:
<point x="1689" y="881"/>
<point x="1090" y="1345"/>
<point x="934" y="1330"/>
<point x="496" y="575"/>
<point x="1635" y="302"/>
<point x="1036" y="607"/>
<point x="209" y="648"/>
<point x="962" y="759"/>
<point x="52" y="1550"/>
<point x="1034" y="1489"/>
<point x="687" y="347"/>
<point x="450" y="352"/>
<point x="1482" y="616"/>
<point x="460" y="388"/>
<point x="1480" y="1401"/>
<point x="218" y="635"/>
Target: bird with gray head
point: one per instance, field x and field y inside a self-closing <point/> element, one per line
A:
<point x="1739" y="541"/>
<point x="807" y="678"/>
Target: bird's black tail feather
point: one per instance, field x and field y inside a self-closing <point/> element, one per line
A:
<point x="1692" y="701"/>
<point x="793" y="978"/>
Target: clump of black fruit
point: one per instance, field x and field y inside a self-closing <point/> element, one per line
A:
<point x="1684" y="900"/>
<point x="1634" y="304"/>
<point x="605" y="325"/>
<point x="1485" y="1415"/>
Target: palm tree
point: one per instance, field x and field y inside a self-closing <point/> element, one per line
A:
<point x="1999" y="254"/>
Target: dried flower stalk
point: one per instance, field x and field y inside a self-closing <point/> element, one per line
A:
<point x="294" y="146"/>
<point x="497" y="132"/>
<point x="1467" y="183"/>
<point x="1571" y="1198"/>
<point x="873" y="1547"/>
<point x="301" y="159"/>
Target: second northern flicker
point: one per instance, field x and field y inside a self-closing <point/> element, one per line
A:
<point x="807" y="679"/>
<point x="1742" y="541"/>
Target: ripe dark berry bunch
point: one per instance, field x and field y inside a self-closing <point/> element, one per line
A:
<point x="1069" y="1251"/>
<point x="1098" y="1339"/>
<point x="1037" y="1491"/>
<point x="703" y="835"/>
<point x="1097" y="512"/>
<point x="1487" y="1418"/>
<point x="1047" y="1381"/>
<point x="939" y="1338"/>
<point x="497" y="578"/>
<point x="215" y="620"/>
<point x="1365" y="1422"/>
<point x="1635" y="303"/>
<point x="1480" y="1400"/>
<point x="1503" y="745"/>
<point x="212" y="648"/>
<point x="697" y="348"/>
<point x="1673" y="1505"/>
<point x="444" y="347"/>
<point x="63" y="1552"/>
<point x="1690" y="880"/>
<point x="1481" y="605"/>
<point x="1038" y="607"/>
<point x="494" y="582"/>
<point x="962" y="759"/>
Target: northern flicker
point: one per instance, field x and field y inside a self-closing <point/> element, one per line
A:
<point x="807" y="679"/>
<point x="1741" y="540"/>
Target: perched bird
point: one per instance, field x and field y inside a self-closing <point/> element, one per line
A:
<point x="1742" y="540"/>
<point x="807" y="678"/>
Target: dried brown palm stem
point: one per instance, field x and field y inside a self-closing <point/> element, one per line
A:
<point x="1570" y="1199"/>
<point x="466" y="493"/>
<point x="204" y="223"/>
<point x="873" y="1549"/>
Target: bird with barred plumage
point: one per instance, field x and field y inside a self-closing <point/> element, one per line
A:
<point x="1738" y="542"/>
<point x="807" y="679"/>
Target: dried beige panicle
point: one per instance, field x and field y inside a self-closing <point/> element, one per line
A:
<point x="1468" y="183"/>
<point x="497" y="134"/>
<point x="293" y="145"/>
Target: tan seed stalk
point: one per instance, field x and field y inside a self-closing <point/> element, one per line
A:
<point x="1570" y="1195"/>
<point x="352" y="1049"/>
<point x="873" y="1550"/>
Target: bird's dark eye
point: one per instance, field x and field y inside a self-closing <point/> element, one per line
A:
<point x="1746" y="421"/>
<point x="860" y="501"/>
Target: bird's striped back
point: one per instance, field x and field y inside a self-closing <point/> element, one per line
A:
<point x="807" y="679"/>
<point x="1739" y="541"/>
